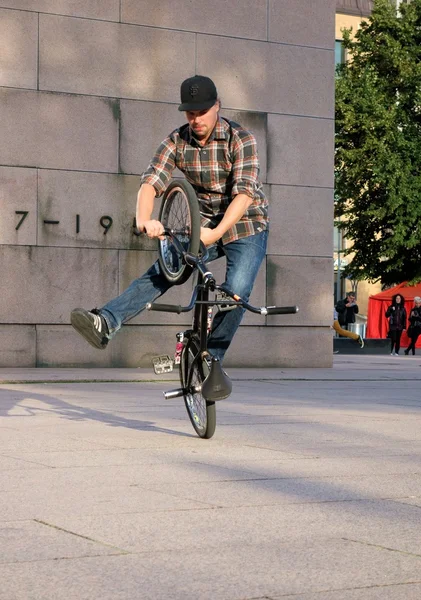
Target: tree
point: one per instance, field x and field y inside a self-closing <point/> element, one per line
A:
<point x="378" y="145"/>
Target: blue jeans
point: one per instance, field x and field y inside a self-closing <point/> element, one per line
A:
<point x="244" y="258"/>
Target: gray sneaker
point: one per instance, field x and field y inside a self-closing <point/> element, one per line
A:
<point x="361" y="342"/>
<point x="91" y="325"/>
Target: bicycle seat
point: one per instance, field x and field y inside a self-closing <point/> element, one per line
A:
<point x="217" y="385"/>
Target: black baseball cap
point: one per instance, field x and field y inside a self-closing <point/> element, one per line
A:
<point x="197" y="93"/>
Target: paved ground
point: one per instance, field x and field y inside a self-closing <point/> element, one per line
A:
<point x="310" y="489"/>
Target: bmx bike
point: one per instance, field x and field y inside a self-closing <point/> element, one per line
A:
<point x="203" y="381"/>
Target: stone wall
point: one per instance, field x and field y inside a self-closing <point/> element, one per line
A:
<point x="88" y="88"/>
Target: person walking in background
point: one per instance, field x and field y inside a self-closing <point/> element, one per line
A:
<point x="414" y="329"/>
<point x="347" y="309"/>
<point x="345" y="332"/>
<point x="396" y="313"/>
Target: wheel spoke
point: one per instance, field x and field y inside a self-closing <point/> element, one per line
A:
<point x="176" y="217"/>
<point x="180" y="214"/>
<point x="193" y="372"/>
<point x="196" y="401"/>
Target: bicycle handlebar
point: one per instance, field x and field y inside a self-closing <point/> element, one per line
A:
<point x="263" y="310"/>
<point x="282" y="310"/>
<point x="173" y="308"/>
<point x="199" y="263"/>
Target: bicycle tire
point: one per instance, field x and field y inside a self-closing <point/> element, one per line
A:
<point x="202" y="414"/>
<point x="179" y="212"/>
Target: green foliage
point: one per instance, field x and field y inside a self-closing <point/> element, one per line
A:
<point x="378" y="145"/>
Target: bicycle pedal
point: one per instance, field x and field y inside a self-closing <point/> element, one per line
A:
<point x="162" y="364"/>
<point x="220" y="297"/>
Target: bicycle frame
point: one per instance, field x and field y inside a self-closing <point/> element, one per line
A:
<point x="217" y="385"/>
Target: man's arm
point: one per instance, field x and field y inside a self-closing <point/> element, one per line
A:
<point x="153" y="183"/>
<point x="144" y="209"/>
<point x="245" y="171"/>
<point x="232" y="215"/>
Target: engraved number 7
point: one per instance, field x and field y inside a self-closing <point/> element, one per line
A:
<point x="24" y="214"/>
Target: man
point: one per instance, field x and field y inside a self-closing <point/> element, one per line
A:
<point x="347" y="309"/>
<point x="343" y="332"/>
<point x="219" y="158"/>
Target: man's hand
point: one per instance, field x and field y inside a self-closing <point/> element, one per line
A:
<point x="152" y="228"/>
<point x="208" y="236"/>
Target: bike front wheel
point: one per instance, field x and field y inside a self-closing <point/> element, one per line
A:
<point x="193" y="371"/>
<point x="179" y="213"/>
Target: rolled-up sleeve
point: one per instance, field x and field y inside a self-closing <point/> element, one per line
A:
<point x="245" y="169"/>
<point x="158" y="173"/>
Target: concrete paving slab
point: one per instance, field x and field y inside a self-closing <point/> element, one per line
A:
<point x="27" y="541"/>
<point x="302" y="467"/>
<point x="121" y="476"/>
<point x="245" y="572"/>
<point x="405" y="591"/>
<point x="385" y="524"/>
<point x="310" y="486"/>
<point x="240" y="458"/>
<point x="53" y="505"/>
<point x="359" y="367"/>
<point x="288" y="490"/>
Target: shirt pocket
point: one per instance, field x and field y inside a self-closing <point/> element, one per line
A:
<point x="182" y="160"/>
<point x="226" y="163"/>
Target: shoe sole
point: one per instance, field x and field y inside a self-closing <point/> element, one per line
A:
<point x="83" y="325"/>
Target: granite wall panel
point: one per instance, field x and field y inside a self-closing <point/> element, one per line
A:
<point x="218" y="17"/>
<point x="83" y="56"/>
<point x="17" y="346"/>
<point x="300" y="221"/>
<point x="281" y="346"/>
<point x="300" y="151"/>
<point x="18" y="206"/>
<point x="94" y="210"/>
<point x="136" y="346"/>
<point x="303" y="281"/>
<point x="108" y="10"/>
<point x="42" y="285"/>
<point x="58" y="131"/>
<point x="143" y="127"/>
<point x="308" y="24"/>
<point x="18" y="49"/>
<point x="268" y="77"/>
<point x="60" y="345"/>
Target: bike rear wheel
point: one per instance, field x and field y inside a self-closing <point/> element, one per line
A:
<point x="193" y="371"/>
<point x="180" y="213"/>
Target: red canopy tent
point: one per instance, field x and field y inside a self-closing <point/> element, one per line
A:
<point x="377" y="324"/>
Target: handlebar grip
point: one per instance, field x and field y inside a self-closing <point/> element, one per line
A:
<point x="282" y="310"/>
<point x="173" y="308"/>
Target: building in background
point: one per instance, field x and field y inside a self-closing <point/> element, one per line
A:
<point x="87" y="92"/>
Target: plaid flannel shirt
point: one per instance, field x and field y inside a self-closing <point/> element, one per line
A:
<point x="225" y="166"/>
